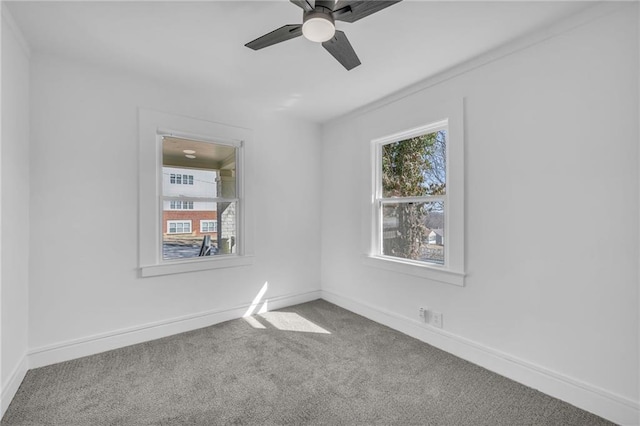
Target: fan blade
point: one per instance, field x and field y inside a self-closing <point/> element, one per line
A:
<point x="328" y="4"/>
<point x="351" y="11"/>
<point x="284" y="33"/>
<point x="341" y="49"/>
<point x="304" y="4"/>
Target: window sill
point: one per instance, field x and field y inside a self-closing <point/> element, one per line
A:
<point x="435" y="273"/>
<point x="195" y="265"/>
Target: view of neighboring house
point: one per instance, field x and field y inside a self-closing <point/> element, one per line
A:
<point x="198" y="198"/>
<point x="436" y="237"/>
<point x="189" y="218"/>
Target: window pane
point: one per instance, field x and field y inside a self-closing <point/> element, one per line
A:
<point x="414" y="231"/>
<point x="211" y="173"/>
<point x="415" y="167"/>
<point x="185" y="241"/>
<point x="184" y="237"/>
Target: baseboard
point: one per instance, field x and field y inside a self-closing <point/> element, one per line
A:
<point x="601" y="402"/>
<point x="10" y="388"/>
<point x="65" y="351"/>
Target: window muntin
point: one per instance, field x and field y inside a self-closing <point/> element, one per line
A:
<point x="202" y="189"/>
<point x="411" y="196"/>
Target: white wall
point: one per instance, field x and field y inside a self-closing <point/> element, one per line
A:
<point x="84" y="224"/>
<point x="14" y="211"/>
<point x="551" y="217"/>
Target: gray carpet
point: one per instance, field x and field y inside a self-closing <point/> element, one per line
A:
<point x="313" y="363"/>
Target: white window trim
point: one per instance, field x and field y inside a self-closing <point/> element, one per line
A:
<point x="453" y="271"/>
<point x="152" y="125"/>
<point x="169" y="222"/>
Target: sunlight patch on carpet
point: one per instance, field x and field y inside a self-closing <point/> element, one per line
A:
<point x="290" y="321"/>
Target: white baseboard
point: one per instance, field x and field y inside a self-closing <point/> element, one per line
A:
<point x="590" y="398"/>
<point x="10" y="388"/>
<point x="72" y="349"/>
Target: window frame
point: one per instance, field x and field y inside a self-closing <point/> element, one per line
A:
<point x="453" y="271"/>
<point x="380" y="201"/>
<point x="152" y="127"/>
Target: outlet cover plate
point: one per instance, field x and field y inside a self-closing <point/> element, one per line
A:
<point x="436" y="319"/>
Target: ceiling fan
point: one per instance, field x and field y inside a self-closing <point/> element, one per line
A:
<point x="318" y="24"/>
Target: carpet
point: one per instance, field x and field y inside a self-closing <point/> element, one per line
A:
<point x="310" y="364"/>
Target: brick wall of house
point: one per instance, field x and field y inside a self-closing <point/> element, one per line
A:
<point x="195" y="216"/>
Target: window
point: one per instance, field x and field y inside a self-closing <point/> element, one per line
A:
<point x="181" y="179"/>
<point x="209" y="170"/>
<point x="192" y="170"/>
<point x="178" y="226"/>
<point x="412" y="196"/>
<point x="417" y="205"/>
<point x="208" y="226"/>
<point x="181" y="205"/>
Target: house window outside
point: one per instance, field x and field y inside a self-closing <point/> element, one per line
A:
<point x="179" y="227"/>
<point x="199" y="188"/>
<point x="208" y="226"/>
<point x="180" y="179"/>
<point x="181" y="205"/>
<point x="411" y="200"/>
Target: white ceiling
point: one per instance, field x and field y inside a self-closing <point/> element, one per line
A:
<point x="202" y="44"/>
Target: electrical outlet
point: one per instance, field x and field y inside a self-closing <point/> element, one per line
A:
<point x="436" y="319"/>
<point x="422" y="313"/>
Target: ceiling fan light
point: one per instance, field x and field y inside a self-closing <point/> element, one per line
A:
<point x="318" y="29"/>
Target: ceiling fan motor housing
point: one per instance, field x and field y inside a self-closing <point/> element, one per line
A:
<point x="318" y="25"/>
<point x="319" y="12"/>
